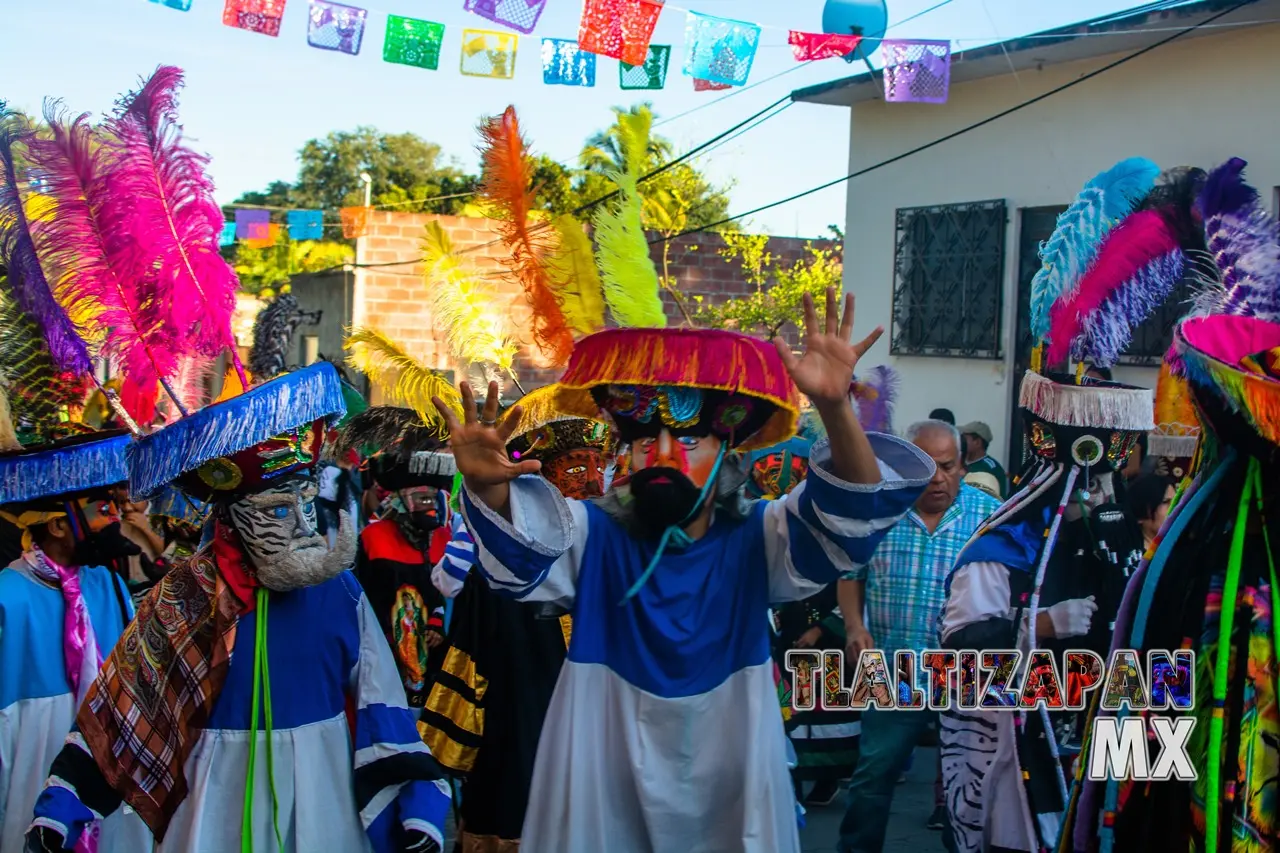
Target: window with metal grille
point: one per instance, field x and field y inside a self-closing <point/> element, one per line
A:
<point x="1152" y="339"/>
<point x="948" y="280"/>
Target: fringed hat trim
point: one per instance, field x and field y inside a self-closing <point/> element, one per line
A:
<point x="708" y="359"/>
<point x="64" y="467"/>
<point x="1208" y="352"/>
<point x="1109" y="406"/>
<point x="285" y="403"/>
<point x="1172" y="446"/>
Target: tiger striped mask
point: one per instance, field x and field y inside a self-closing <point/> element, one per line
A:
<point x="280" y="535"/>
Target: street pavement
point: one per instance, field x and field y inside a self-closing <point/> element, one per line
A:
<point x="912" y="805"/>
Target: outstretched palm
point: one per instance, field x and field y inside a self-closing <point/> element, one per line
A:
<point x="479" y="442"/>
<point x="824" y="371"/>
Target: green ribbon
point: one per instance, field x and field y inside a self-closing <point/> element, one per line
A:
<point x="1230" y="588"/>
<point x="261" y="682"/>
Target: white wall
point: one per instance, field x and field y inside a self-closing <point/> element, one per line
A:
<point x="1194" y="103"/>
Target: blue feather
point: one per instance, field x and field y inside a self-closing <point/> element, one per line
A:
<point x="1244" y="241"/>
<point x="1104" y="201"/>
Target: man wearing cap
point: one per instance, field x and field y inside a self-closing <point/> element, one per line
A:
<point x="663" y="732"/>
<point x="977" y="441"/>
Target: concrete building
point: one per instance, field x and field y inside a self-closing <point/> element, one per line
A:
<point x="941" y="245"/>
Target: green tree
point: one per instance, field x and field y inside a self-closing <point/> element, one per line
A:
<point x="406" y="170"/>
<point x="680" y="193"/>
<point x="263" y="270"/>
<point x="778" y="299"/>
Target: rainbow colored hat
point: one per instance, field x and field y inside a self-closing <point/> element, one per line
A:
<point x="732" y="385"/>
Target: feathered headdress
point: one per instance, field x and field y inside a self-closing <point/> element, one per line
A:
<point x="404" y="380"/>
<point x="577" y="282"/>
<point x="631" y="285"/>
<point x="1134" y="270"/>
<point x="273" y="331"/>
<point x="507" y="186"/>
<point x="463" y="304"/>
<point x="874" y="398"/>
<point x="1244" y="242"/>
<point x="39" y="395"/>
<point x="160" y="211"/>
<point x="26" y="276"/>
<point x="380" y="428"/>
<point x="1070" y="251"/>
<point x="114" y="311"/>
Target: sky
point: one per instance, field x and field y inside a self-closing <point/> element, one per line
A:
<point x="251" y="101"/>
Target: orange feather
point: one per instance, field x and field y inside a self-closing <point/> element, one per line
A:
<point x="506" y="184"/>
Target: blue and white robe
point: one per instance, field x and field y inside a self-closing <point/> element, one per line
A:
<point x="664" y="732"/>
<point x="37" y="704"/>
<point x="327" y="657"/>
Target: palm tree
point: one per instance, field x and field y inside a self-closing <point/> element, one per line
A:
<point x="603" y="150"/>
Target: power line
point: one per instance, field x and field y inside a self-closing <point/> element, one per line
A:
<point x="962" y="131"/>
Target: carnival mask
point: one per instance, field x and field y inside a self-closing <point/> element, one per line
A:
<point x="425" y="508"/>
<point x="578" y="473"/>
<point x="1086" y="498"/>
<point x="101" y="540"/>
<point x="278" y="529"/>
<point x="670" y="477"/>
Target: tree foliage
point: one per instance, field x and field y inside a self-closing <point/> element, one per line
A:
<point x="264" y="270"/>
<point x="778" y="299"/>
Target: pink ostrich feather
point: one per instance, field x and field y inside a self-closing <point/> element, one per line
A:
<point x="163" y="220"/>
<point x="109" y="306"/>
<point x="1131" y="245"/>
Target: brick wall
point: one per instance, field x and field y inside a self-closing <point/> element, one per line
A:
<point x="393" y="298"/>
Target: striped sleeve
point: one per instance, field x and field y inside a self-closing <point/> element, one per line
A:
<point x="826" y="527"/>
<point x="398" y="784"/>
<point x="450" y="573"/>
<point x="76" y="793"/>
<point x="536" y="555"/>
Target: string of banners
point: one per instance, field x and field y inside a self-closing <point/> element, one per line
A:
<point x="718" y="52"/>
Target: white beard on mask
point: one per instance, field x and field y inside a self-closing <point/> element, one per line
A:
<point x="278" y="530"/>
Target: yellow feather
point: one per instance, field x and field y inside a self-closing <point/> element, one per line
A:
<point x="577" y="283"/>
<point x="459" y="301"/>
<point x="631" y="285"/>
<point x="405" y="380"/>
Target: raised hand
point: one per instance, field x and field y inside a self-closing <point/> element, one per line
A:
<point x="479" y="443"/>
<point x="824" y="371"/>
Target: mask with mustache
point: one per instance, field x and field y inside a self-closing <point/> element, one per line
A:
<point x="105" y="546"/>
<point x="282" y="541"/>
<point x="663" y="497"/>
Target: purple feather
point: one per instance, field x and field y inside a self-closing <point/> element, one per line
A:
<point x="18" y="252"/>
<point x="1106" y="332"/>
<point x="875" y="397"/>
<point x="1244" y="241"/>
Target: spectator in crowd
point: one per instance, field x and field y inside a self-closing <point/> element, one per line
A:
<point x="944" y="415"/>
<point x="984" y="481"/>
<point x="902" y="592"/>
<point x="977" y="458"/>
<point x="1150" y="497"/>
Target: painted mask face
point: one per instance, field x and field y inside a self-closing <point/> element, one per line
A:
<point x="1098" y="491"/>
<point x="777" y="474"/>
<point x="101" y="541"/>
<point x="669" y="473"/>
<point x="278" y="529"/>
<point x="577" y="473"/>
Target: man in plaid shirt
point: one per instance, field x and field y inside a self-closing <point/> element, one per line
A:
<point x="901" y="591"/>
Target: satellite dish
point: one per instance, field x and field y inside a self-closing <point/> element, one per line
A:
<point x="866" y="18"/>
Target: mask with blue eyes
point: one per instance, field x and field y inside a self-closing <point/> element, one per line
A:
<point x="281" y="537"/>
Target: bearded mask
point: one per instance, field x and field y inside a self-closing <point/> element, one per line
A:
<point x="420" y="512"/>
<point x="670" y="489"/>
<point x="278" y="530"/>
<point x="578" y="473"/>
<point x="101" y="541"/>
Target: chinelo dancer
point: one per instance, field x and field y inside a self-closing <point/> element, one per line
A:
<point x="664" y="732"/>
<point x="181" y="724"/>
<point x="486" y="709"/>
<point x="1047" y="570"/>
<point x="1218" y="545"/>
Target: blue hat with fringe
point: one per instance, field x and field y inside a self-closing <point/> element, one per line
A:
<point x="238" y="446"/>
<point x="81" y="463"/>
